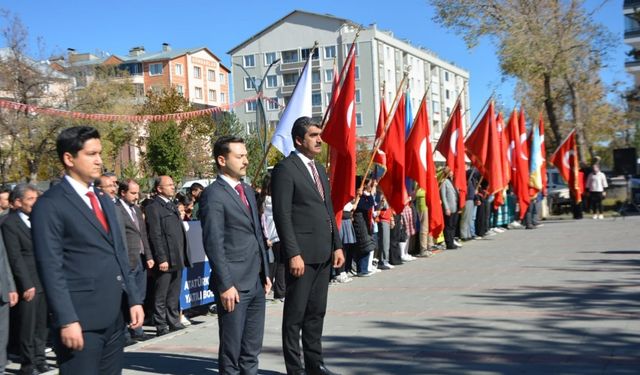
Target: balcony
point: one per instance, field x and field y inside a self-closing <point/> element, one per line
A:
<point x="631" y="4"/>
<point x="632" y="33"/>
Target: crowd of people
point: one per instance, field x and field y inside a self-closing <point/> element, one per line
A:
<point x="83" y="264"/>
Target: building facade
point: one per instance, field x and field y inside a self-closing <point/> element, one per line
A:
<point x="381" y="60"/>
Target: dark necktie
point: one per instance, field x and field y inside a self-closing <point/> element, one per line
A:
<point x="134" y="218"/>
<point x="316" y="178"/>
<point x="97" y="210"/>
<point x="243" y="197"/>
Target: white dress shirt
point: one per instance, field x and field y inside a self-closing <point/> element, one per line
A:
<point x="82" y="191"/>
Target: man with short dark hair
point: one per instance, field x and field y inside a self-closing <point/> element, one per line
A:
<point x="140" y="257"/>
<point x="233" y="242"/>
<point x="195" y="191"/>
<point x="309" y="239"/>
<point x="32" y="309"/>
<point x="4" y="200"/>
<point x="82" y="262"/>
<point x="169" y="246"/>
<point x="107" y="184"/>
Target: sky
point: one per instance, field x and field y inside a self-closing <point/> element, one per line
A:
<point x="95" y="26"/>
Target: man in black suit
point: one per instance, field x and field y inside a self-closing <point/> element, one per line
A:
<point x="234" y="244"/>
<point x="135" y="231"/>
<point x="82" y="262"/>
<point x="32" y="309"/>
<point x="169" y="246"/>
<point x="309" y="239"/>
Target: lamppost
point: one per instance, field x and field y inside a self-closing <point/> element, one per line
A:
<point x="260" y="112"/>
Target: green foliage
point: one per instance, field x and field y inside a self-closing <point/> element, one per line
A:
<point x="165" y="150"/>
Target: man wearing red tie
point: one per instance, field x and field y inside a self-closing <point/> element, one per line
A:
<point x="309" y="238"/>
<point x="82" y="262"/>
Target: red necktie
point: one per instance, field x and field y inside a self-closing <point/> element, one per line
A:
<point x="316" y="178"/>
<point x="243" y="197"/>
<point x="97" y="210"/>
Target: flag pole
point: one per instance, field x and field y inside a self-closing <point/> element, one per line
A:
<point x="473" y="123"/>
<point x="446" y="124"/>
<point x="264" y="157"/>
<point x="393" y="108"/>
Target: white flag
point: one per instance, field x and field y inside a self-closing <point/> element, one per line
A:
<point x="299" y="105"/>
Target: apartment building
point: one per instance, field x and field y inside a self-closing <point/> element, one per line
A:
<point x="381" y="62"/>
<point x="196" y="73"/>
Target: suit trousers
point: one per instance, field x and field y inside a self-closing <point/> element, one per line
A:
<point x="277" y="271"/>
<point x="450" y="224"/>
<point x="33" y="331"/>
<point x="241" y="332"/>
<point x="4" y="334"/>
<point x="166" y="309"/>
<point x="304" y="310"/>
<point x="102" y="353"/>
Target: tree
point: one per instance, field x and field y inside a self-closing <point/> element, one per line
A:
<point x="549" y="45"/>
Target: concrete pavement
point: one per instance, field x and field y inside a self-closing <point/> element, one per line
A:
<point x="561" y="299"/>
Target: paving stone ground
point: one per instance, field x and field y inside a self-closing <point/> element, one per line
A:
<point x="561" y="299"/>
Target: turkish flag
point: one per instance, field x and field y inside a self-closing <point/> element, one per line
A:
<point x="483" y="148"/>
<point x="451" y="146"/>
<point x="519" y="163"/>
<point x="392" y="183"/>
<point x="421" y="167"/>
<point x="380" y="159"/>
<point x="340" y="134"/>
<point x="565" y="158"/>
<point x="503" y="146"/>
<point x="543" y="152"/>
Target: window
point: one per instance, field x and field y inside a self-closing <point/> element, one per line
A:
<point x="198" y="92"/>
<point x="252" y="127"/>
<point x="316" y="99"/>
<point x="272" y="81"/>
<point x="180" y="90"/>
<point x="221" y="76"/>
<point x="328" y="75"/>
<point x="436" y="106"/>
<point x="269" y="58"/>
<point x="272" y="104"/>
<point x="134" y="69"/>
<point x="358" y="119"/>
<point x="446" y="76"/>
<point x="197" y="72"/>
<point x="213" y="95"/>
<point x="446" y="94"/>
<point x="448" y="111"/>
<point x="328" y="96"/>
<point x="178" y="68"/>
<point x="223" y="97"/>
<point x="155" y="69"/>
<point x="357" y="95"/>
<point x="305" y="54"/>
<point x="315" y="76"/>
<point x="290" y="79"/>
<point x="347" y="47"/>
<point x="356" y="73"/>
<point x="330" y="52"/>
<point x="211" y="75"/>
<point x="248" y="83"/>
<point x="250" y="106"/>
<point x="249" y="61"/>
<point x="290" y="56"/>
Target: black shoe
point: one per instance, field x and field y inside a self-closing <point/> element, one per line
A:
<point x="142" y="337"/>
<point x="28" y="370"/>
<point x="130" y="341"/>
<point x="177" y="327"/>
<point x="452" y="247"/>
<point x="43" y="367"/>
<point x="161" y="331"/>
<point x="321" y="370"/>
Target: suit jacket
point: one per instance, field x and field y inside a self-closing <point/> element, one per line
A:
<point x="17" y="240"/>
<point x="83" y="268"/>
<point x="449" y="196"/>
<point x="135" y="235"/>
<point x="232" y="237"/>
<point x="305" y="222"/>
<point x="167" y="236"/>
<point x="6" y="277"/>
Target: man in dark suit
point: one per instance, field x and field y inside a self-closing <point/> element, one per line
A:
<point x="234" y="244"/>
<point x="135" y="231"/>
<point x="32" y="309"/>
<point x="309" y="238"/>
<point x="169" y="246"/>
<point x="82" y="262"/>
<point x="8" y="298"/>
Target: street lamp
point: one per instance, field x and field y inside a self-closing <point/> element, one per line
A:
<point x="260" y="112"/>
